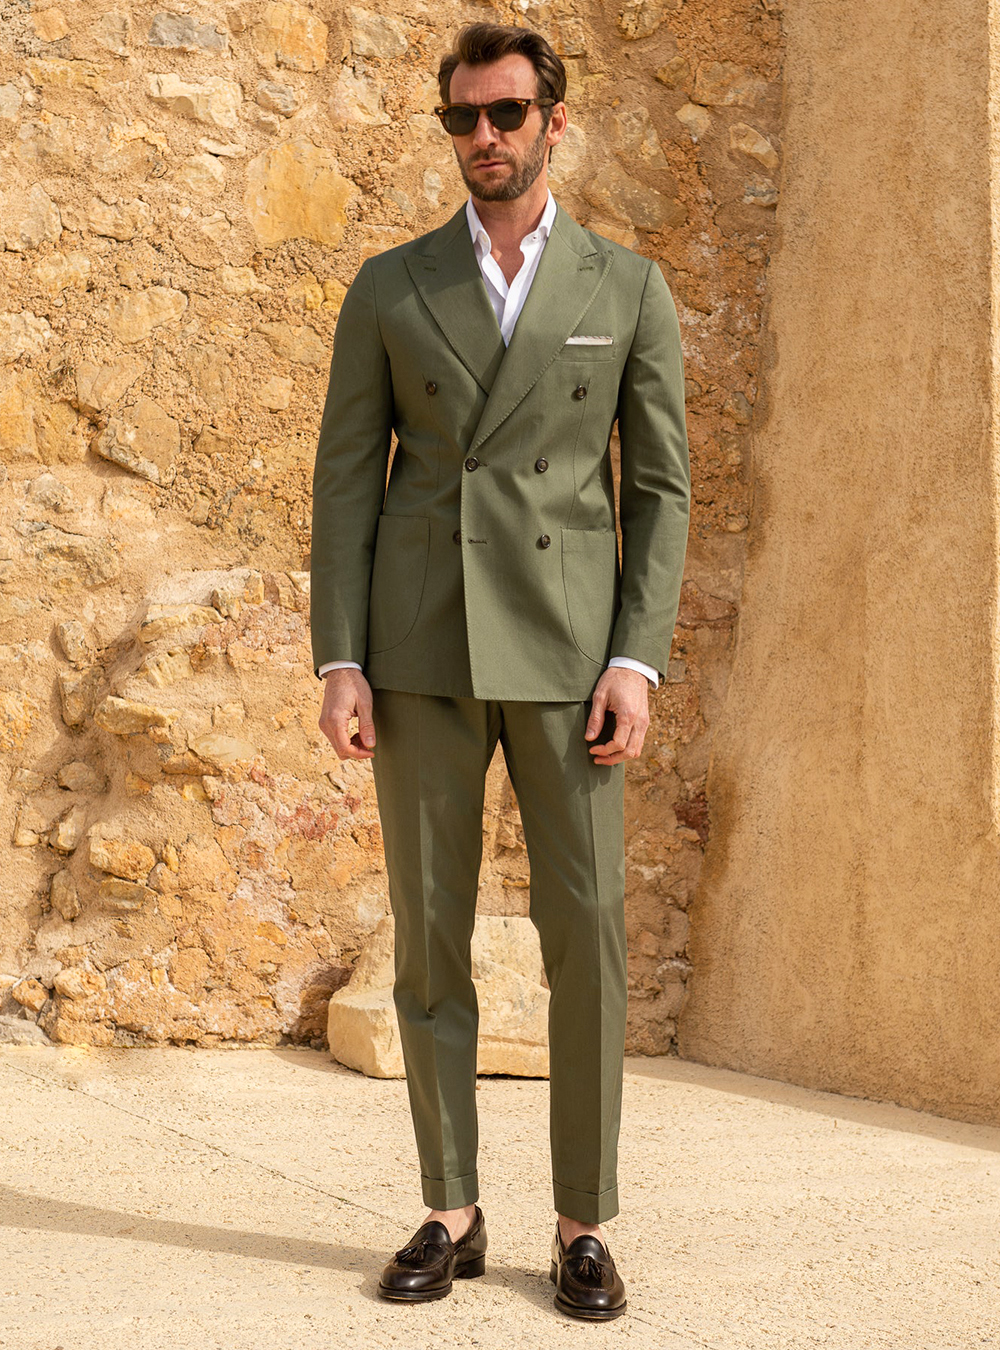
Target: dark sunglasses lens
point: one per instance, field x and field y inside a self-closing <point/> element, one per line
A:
<point x="459" y="120"/>
<point x="507" y="115"/>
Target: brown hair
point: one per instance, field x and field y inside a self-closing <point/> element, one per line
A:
<point x="479" y="43"/>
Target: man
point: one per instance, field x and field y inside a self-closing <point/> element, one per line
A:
<point x="479" y="596"/>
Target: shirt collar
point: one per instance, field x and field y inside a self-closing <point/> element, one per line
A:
<point x="482" y="240"/>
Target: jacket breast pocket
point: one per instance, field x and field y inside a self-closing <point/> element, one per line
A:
<point x="588" y="352"/>
<point x="398" y="573"/>
<point x="590" y="580"/>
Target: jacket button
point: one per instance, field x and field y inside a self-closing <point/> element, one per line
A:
<point x="580" y="391"/>
<point x="472" y="463"/>
<point x="431" y="387"/>
<point x="457" y="536"/>
<point x="541" y="464"/>
<point x="545" y="541"/>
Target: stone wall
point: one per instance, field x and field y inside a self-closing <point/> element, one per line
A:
<point x="185" y="193"/>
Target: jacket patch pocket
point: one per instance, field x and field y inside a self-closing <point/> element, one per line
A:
<point x="590" y="580"/>
<point x="398" y="573"/>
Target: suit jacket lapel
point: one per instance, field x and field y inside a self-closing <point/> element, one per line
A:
<point x="446" y="273"/>
<point x="451" y="285"/>
<point x="570" y="273"/>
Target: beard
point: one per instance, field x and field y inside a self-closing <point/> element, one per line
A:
<point x="524" y="171"/>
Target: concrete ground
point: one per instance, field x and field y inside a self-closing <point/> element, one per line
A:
<point x="247" y="1199"/>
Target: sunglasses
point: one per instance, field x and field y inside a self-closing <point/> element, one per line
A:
<point x="506" y="114"/>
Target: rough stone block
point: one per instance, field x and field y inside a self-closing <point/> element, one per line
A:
<point x="213" y="100"/>
<point x="222" y="751"/>
<point x="182" y="33"/>
<point x="63" y="895"/>
<point x="183" y="623"/>
<point x="78" y="691"/>
<point x="101" y="387"/>
<point x="18" y="711"/>
<point x="78" y="982"/>
<point x="144" y="440"/>
<point x="67" y="832"/>
<point x="31" y="994"/>
<point x="72" y="559"/>
<point x="362" y="1028"/>
<point x="288" y="35"/>
<point x="29" y="218"/>
<point x="124" y="895"/>
<point x="132" y="317"/>
<point x="21" y="1031"/>
<point x="295" y="191"/>
<point x="124" y="717"/>
<point x="121" y="857"/>
<point x="78" y="776"/>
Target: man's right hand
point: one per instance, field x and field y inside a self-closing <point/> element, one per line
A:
<point x="348" y="694"/>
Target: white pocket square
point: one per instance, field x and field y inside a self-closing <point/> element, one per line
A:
<point x="590" y="341"/>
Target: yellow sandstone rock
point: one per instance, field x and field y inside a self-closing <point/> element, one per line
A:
<point x="288" y="35"/>
<point x="213" y="100"/>
<point x="78" y="982"/>
<point x="66" y="74"/>
<point x="125" y="717"/>
<point x="121" y="857"/>
<point x="171" y="620"/>
<point x="295" y="191"/>
<point x="49" y="24"/>
<point x="513" y="1003"/>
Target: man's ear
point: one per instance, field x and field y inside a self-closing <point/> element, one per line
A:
<point x="559" y="108"/>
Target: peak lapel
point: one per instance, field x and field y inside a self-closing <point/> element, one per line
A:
<point x="569" y="275"/>
<point x="451" y="285"/>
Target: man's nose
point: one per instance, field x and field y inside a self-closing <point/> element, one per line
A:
<point x="485" y="132"/>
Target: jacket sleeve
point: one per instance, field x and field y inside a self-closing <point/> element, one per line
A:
<point x="349" y="478"/>
<point x="655" y="495"/>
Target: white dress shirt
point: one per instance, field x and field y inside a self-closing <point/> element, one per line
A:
<point x="508" y="301"/>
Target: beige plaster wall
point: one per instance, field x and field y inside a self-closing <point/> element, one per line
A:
<point x="846" y="928"/>
<point x="186" y="188"/>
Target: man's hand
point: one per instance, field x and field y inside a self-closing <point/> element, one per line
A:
<point x="625" y="693"/>
<point x="348" y="694"/>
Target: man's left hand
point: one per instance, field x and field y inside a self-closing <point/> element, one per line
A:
<point x="624" y="692"/>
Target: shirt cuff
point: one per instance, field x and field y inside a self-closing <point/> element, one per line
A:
<point x="650" y="672"/>
<point x="337" y="665"/>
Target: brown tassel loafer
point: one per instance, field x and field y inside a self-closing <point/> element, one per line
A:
<point x="425" y="1267"/>
<point x="587" y="1283"/>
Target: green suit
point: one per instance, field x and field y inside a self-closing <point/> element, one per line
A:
<point x="482" y="592"/>
<point x="499" y="614"/>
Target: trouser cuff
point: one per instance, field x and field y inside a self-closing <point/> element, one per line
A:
<point x="455" y="1193"/>
<point x="585" y="1206"/>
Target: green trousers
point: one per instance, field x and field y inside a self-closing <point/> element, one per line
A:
<point x="430" y="763"/>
